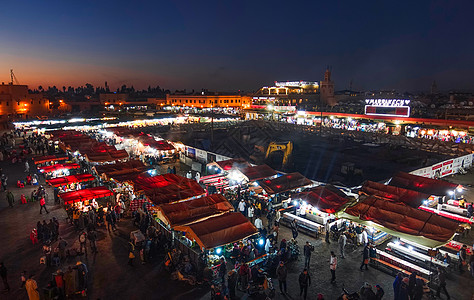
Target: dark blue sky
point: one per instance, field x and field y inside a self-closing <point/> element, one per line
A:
<point x="231" y="45"/>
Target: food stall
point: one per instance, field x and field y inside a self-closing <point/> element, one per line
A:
<point x="84" y="198"/>
<point x="58" y="170"/>
<point x="49" y="159"/>
<point x="71" y="179"/>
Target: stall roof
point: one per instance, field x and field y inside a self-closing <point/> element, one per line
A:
<point x="119" y="166"/>
<point x="237" y="163"/>
<point x="422" y="184"/>
<point x="167" y="188"/>
<point x="218" y="231"/>
<point x="401" y="220"/>
<point x="284" y="183"/>
<point x="59" y="181"/>
<point x="85" y="194"/>
<point x="48" y="158"/>
<point x="327" y="198"/>
<point x="48" y="169"/>
<point x="395" y="194"/>
<point x="110" y="155"/>
<point x="258" y="172"/>
<point x="194" y="210"/>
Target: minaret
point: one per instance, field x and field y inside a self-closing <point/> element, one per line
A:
<point x="327" y="89"/>
<point x="434" y="88"/>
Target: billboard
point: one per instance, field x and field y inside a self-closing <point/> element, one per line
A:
<point x="387" y="107"/>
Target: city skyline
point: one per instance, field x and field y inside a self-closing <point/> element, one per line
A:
<point x="238" y="46"/>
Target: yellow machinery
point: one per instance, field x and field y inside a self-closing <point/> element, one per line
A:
<point x="287" y="148"/>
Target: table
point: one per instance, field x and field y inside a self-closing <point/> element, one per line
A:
<point x="417" y="255"/>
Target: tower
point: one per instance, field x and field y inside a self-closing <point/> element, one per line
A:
<point x="434" y="88"/>
<point x="327" y="89"/>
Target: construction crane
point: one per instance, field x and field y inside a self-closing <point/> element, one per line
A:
<point x="13" y="78"/>
<point x="285" y="147"/>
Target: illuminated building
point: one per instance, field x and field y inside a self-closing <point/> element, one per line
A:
<point x="301" y="94"/>
<point x="17" y="103"/>
<point x="124" y="100"/>
<point x="208" y="100"/>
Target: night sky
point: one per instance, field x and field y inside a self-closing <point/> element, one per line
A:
<point x="232" y="45"/>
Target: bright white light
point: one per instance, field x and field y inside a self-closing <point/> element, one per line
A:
<point x="295" y="202"/>
<point x="301" y="112"/>
<point x="261" y="241"/>
<point x="425" y="202"/>
<point x="218" y="251"/>
<point x="450" y="193"/>
<point x="459" y="189"/>
<point x="372" y="230"/>
<point x="397" y="243"/>
<point x="305" y="203"/>
<point x="410" y="248"/>
<point x="270" y="107"/>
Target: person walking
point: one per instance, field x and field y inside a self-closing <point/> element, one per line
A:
<point x="333" y="266"/>
<point x="442" y="283"/>
<point x="82" y="242"/>
<point x="43" y="205"/>
<point x="327" y="229"/>
<point x="259" y="224"/>
<point x="282" y="273"/>
<point x="32" y="289"/>
<point x="131" y="250"/>
<point x="27" y="167"/>
<point x="462" y="258"/>
<point x="4" y="179"/>
<point x="250" y="213"/>
<point x="3" y="274"/>
<point x="294" y="228"/>
<point x="242" y="206"/>
<point x="304" y="281"/>
<point x="396" y="286"/>
<point x="342" y="243"/>
<point x="10" y="198"/>
<point x="307" y="249"/>
<point x="365" y="258"/>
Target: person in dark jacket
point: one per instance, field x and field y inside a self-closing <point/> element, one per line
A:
<point x="396" y="286"/>
<point x="403" y="291"/>
<point x="307" y="249"/>
<point x="305" y="281"/>
<point x="365" y="258"/>
<point x="418" y="294"/>
<point x="3" y="274"/>
<point x="380" y="292"/>
<point x="442" y="283"/>
<point x="282" y="273"/>
<point x="366" y="292"/>
<point x="411" y="285"/>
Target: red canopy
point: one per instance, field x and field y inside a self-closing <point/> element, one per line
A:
<point x="402" y="218"/>
<point x="258" y="172"/>
<point x="221" y="230"/>
<point x="68" y="166"/>
<point x="85" y="194"/>
<point x="237" y="163"/>
<point x="284" y="183"/>
<point x="325" y="198"/>
<point x="422" y="184"/>
<point x="167" y="188"/>
<point x="48" y="158"/>
<point x="395" y="194"/>
<point x="190" y="211"/>
<point x="59" y="181"/>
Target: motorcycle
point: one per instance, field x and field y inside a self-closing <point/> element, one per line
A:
<point x="267" y="288"/>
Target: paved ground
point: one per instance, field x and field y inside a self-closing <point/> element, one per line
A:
<point x="111" y="277"/>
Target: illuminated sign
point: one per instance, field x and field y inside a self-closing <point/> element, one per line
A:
<point x="388" y="111"/>
<point x="387" y="102"/>
<point x="263" y="98"/>
<point x="295" y="83"/>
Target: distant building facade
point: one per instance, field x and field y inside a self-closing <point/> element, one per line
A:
<point x="116" y="100"/>
<point x="208" y="100"/>
<point x="17" y="103"/>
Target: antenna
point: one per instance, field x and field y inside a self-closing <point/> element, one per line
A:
<point x="13" y="78"/>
